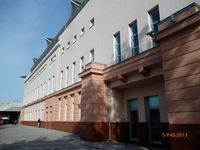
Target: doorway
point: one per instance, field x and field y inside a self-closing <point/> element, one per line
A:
<point x="133" y="119"/>
<point x="154" y="124"/>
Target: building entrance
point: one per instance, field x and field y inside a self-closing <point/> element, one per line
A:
<point x="133" y="119"/>
<point x="154" y="119"/>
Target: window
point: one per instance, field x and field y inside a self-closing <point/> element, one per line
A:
<point x="82" y="63"/>
<point x="62" y="51"/>
<point x="35" y="94"/>
<point x="91" y="22"/>
<point x="134" y="38"/>
<point x="73" y="72"/>
<point x="49" y="82"/>
<point x="133" y="118"/>
<point x="117" y="47"/>
<point x="92" y="55"/>
<point x="61" y="79"/>
<point x="66" y="77"/>
<point x="52" y="59"/>
<point x="68" y="45"/>
<point x="52" y="84"/>
<point x="44" y="89"/>
<point x="38" y="91"/>
<point x="154" y="19"/>
<point x="153" y="113"/>
<point x="41" y="90"/>
<point x="82" y="31"/>
<point x="75" y="38"/>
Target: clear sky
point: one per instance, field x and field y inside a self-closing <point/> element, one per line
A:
<point x="24" y="25"/>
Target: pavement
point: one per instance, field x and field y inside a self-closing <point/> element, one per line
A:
<point x="19" y="137"/>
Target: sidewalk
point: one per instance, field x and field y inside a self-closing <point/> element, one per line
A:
<point x="21" y="137"/>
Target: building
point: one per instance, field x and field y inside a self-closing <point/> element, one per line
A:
<point x="10" y="111"/>
<point x="123" y="71"/>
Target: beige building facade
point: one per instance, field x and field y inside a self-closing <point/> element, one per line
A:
<point x="122" y="73"/>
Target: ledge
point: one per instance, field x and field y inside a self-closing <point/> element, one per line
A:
<point x="187" y="18"/>
<point x="145" y="60"/>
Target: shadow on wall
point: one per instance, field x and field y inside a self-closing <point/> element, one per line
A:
<point x="182" y="84"/>
<point x="95" y="107"/>
<point x="182" y="78"/>
<point x="71" y="127"/>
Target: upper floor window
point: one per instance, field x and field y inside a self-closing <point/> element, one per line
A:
<point x="61" y="79"/>
<point x="134" y="38"/>
<point x="82" y="31"/>
<point x="53" y="59"/>
<point x="75" y="39"/>
<point x="68" y="45"/>
<point x="62" y="51"/>
<point x="82" y="63"/>
<point x="154" y="19"/>
<point x="92" y="55"/>
<point x="73" y="72"/>
<point x="66" y="77"/>
<point x="117" y="47"/>
<point x="52" y="84"/>
<point x="48" y="88"/>
<point x="91" y="22"/>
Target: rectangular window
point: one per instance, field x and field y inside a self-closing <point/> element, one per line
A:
<point x="52" y="59"/>
<point x="82" y="31"/>
<point x="134" y="38"/>
<point x="67" y="77"/>
<point x="154" y="19"/>
<point x="49" y="82"/>
<point x="52" y="84"/>
<point x="92" y="55"/>
<point x="62" y="51"/>
<point x="41" y="90"/>
<point x="44" y="89"/>
<point x="75" y="38"/>
<point x="82" y="64"/>
<point x="133" y="118"/>
<point x="38" y="90"/>
<point x="35" y="94"/>
<point x="73" y="72"/>
<point x="61" y="79"/>
<point x="68" y="45"/>
<point x="117" y="47"/>
<point x="154" y="119"/>
<point x="91" y="22"/>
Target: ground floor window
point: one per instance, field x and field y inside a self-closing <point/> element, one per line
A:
<point x="133" y="118"/>
<point x="153" y="114"/>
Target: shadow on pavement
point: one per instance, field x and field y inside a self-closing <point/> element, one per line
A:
<point x="44" y="143"/>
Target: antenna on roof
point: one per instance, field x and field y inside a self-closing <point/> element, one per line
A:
<point x="76" y="3"/>
<point x="35" y="60"/>
<point x="23" y="77"/>
<point x="49" y="41"/>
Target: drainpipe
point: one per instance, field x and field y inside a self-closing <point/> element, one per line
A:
<point x="109" y="114"/>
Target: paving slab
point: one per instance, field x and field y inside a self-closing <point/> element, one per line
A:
<point x="20" y="137"/>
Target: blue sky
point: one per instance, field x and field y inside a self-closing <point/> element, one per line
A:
<point x="24" y="25"/>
